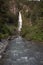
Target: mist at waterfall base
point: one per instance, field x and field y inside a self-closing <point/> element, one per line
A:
<point x="20" y="22"/>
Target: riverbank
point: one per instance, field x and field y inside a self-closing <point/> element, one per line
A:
<point x="4" y="43"/>
<point x="35" y="41"/>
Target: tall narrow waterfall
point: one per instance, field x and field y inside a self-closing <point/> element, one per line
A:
<point x="20" y="22"/>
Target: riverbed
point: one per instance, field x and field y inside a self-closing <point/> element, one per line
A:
<point x="23" y="52"/>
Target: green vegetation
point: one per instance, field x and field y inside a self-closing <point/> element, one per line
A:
<point x="8" y="20"/>
<point x="33" y="21"/>
<point x="32" y="14"/>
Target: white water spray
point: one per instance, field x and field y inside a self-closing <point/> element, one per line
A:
<point x="20" y="22"/>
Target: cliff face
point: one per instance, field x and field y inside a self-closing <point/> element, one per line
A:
<point x="8" y="18"/>
<point x="32" y="14"/>
<point x="12" y="6"/>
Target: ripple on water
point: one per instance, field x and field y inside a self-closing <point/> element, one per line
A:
<point x="37" y="55"/>
<point x="23" y="59"/>
<point x="32" y="61"/>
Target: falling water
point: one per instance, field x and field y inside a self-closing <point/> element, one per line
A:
<point x="20" y="22"/>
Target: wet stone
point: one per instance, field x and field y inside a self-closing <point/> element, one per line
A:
<point x="22" y="52"/>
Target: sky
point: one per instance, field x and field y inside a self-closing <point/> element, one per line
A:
<point x="33" y="0"/>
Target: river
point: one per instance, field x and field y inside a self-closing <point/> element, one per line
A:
<point x="22" y="52"/>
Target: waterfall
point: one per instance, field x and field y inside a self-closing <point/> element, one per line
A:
<point x="20" y="22"/>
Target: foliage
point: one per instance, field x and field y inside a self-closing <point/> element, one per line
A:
<point x="34" y="16"/>
<point x="7" y="19"/>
